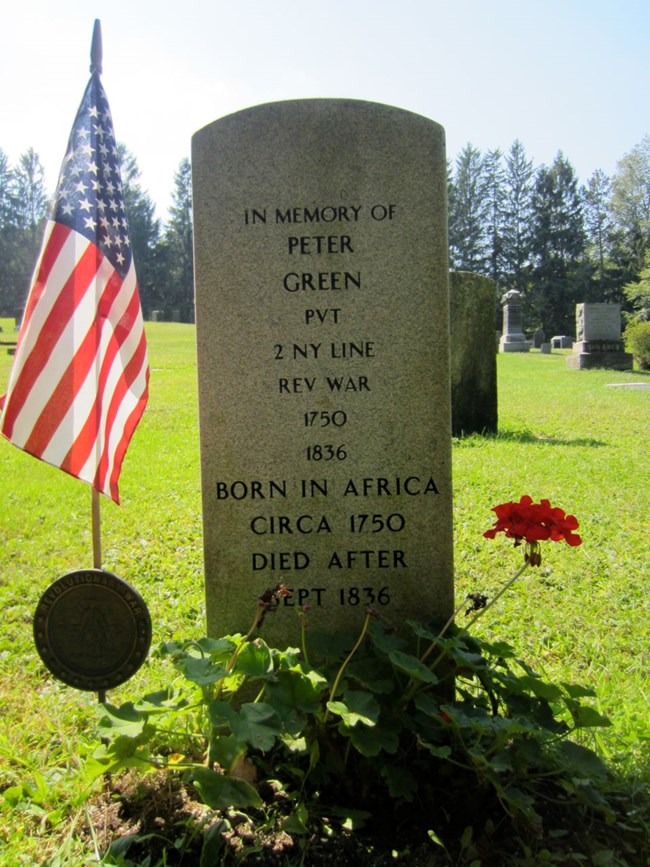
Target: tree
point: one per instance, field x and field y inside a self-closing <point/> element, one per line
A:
<point x="7" y="194"/>
<point x="595" y="196"/>
<point x="517" y="217"/>
<point x="630" y="205"/>
<point x="24" y="210"/>
<point x="560" y="273"/>
<point x="494" y="202"/>
<point x="178" y="240"/>
<point x="30" y="194"/>
<point x="144" y="230"/>
<point x="468" y="213"/>
<point x="8" y="232"/>
<point x="638" y="293"/>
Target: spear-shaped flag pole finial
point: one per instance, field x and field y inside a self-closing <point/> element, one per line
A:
<point x="96" y="48"/>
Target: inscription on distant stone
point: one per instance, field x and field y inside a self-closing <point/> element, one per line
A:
<point x="322" y="331"/>
<point x="599" y="342"/>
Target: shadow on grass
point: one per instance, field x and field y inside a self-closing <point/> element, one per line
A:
<point x="526" y="436"/>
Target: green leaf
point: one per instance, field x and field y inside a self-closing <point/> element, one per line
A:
<point x="423" y="632"/>
<point x="294" y="690"/>
<point x="438" y="752"/>
<point x="225" y="750"/>
<point x="372" y="741"/>
<point x="604" y="858"/>
<point x="296" y="745"/>
<point x="538" y="687"/>
<point x="220" y="792"/>
<point x="574" y="690"/>
<point x="257" y="724"/>
<point x="218" y="649"/>
<point x="372" y="674"/>
<point x="162" y="701"/>
<point x="401" y="782"/>
<point x="213" y="842"/>
<point x="125" y="720"/>
<point x="501" y="649"/>
<point x="357" y="707"/>
<point x="255" y="659"/>
<point x="221" y="714"/>
<point x="427" y="704"/>
<point x="119" y="848"/>
<point x="412" y="666"/>
<point x="288" y="658"/>
<point x="350" y="819"/>
<point x="587" y="717"/>
<point x="122" y="753"/>
<point x="202" y="670"/>
<point x="385" y="641"/>
<point x="296" y="822"/>
<point x="581" y="760"/>
<point x="519" y="801"/>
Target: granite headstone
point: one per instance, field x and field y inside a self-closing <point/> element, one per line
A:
<point x="472" y="300"/>
<point x="599" y="342"/>
<point x="320" y="231"/>
<point x="513" y="338"/>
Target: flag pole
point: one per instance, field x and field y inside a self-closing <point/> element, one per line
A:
<point x="97" y="530"/>
<point x="97" y="557"/>
<point x="96" y="67"/>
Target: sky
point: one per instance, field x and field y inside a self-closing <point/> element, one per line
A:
<point x="569" y="75"/>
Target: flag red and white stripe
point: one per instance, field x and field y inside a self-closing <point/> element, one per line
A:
<point x="79" y="382"/>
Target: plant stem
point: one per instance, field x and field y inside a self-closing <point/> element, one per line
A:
<point x="259" y="611"/>
<point x="430" y="648"/>
<point x="482" y="611"/>
<point x="347" y="659"/>
<point x="412" y="685"/>
<point x="508" y="583"/>
<point x="303" y="640"/>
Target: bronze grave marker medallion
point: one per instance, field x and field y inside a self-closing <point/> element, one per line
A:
<point x="92" y="629"/>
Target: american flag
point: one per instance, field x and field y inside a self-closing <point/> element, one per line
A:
<point x="79" y="382"/>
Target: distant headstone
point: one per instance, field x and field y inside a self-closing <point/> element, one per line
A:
<point x="472" y="303"/>
<point x="545" y="348"/>
<point x="599" y="342"/>
<point x="157" y="315"/>
<point x="513" y="338"/>
<point x="539" y="338"/>
<point x="320" y="231"/>
<point x="561" y="341"/>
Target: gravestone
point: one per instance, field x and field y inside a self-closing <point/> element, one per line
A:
<point x="472" y="302"/>
<point x="599" y="342"/>
<point x="321" y="270"/>
<point x="539" y="338"/>
<point x="513" y="338"/>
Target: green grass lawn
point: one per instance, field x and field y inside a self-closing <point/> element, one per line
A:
<point x="582" y="617"/>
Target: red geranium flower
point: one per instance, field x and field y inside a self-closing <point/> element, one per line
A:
<point x="530" y="522"/>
